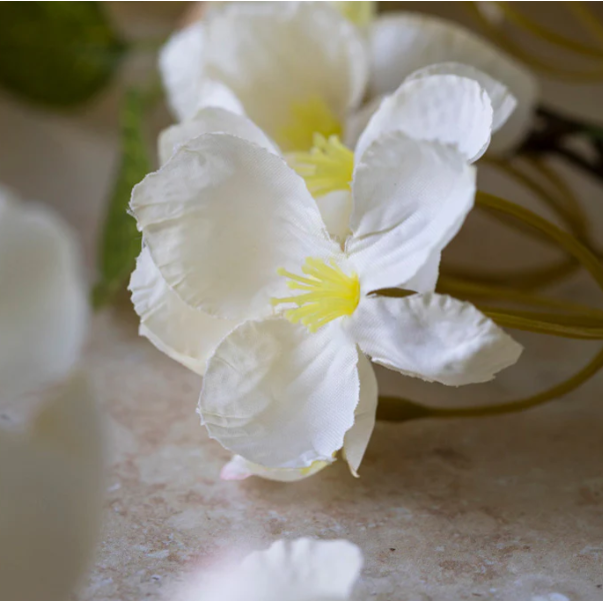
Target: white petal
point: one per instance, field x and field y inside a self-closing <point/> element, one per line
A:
<point x="298" y="570"/>
<point x="207" y="120"/>
<point x="280" y="396"/>
<point x="239" y="468"/>
<point x="187" y="335"/>
<point x="357" y="438"/>
<point x="409" y="197"/>
<point x="284" y="53"/>
<point x="447" y="109"/>
<point x="181" y="68"/>
<point x="335" y="208"/>
<point x="404" y="43"/>
<point x="43" y="305"/>
<point x="502" y="100"/>
<point x="433" y="337"/>
<point x="221" y="217"/>
<point x="425" y="280"/>
<point x="51" y="498"/>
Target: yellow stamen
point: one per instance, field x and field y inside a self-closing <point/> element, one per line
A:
<point x="330" y="294"/>
<point x="359" y="13"/>
<point x="328" y="167"/>
<point x="306" y="119"/>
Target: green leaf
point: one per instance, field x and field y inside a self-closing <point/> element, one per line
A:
<point x="121" y="241"/>
<point x="57" y="53"/>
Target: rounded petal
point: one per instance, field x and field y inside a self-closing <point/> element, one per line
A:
<point x="502" y="100"/>
<point x="284" y="54"/>
<point x="51" y="498"/>
<point x="239" y="468"/>
<point x="409" y="196"/>
<point x="221" y="217"/>
<point x="298" y="570"/>
<point x="407" y="42"/>
<point x="447" y="109"/>
<point x="207" y="120"/>
<point x="187" y="335"/>
<point x="181" y="68"/>
<point x="280" y="396"/>
<point x="433" y="337"/>
<point x="357" y="438"/>
<point x="43" y="305"/>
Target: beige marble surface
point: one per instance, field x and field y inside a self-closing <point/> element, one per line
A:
<point x="490" y="509"/>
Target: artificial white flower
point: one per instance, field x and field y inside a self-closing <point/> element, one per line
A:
<point x="51" y="492"/>
<point x="299" y="69"/>
<point x="298" y="570"/>
<point x="51" y="475"/>
<point x="234" y="233"/>
<point x="43" y="303"/>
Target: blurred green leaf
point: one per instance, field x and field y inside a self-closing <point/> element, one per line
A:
<point x="121" y="241"/>
<point x="57" y="53"/>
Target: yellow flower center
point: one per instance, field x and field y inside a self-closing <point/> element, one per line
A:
<point x="328" y="166"/>
<point x="329" y="294"/>
<point x="359" y="13"/>
<point x="312" y="116"/>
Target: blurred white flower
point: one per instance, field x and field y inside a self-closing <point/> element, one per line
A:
<point x="43" y="305"/>
<point x="298" y="570"/>
<point x="231" y="231"/>
<point x="299" y="69"/>
<point x="51" y="475"/>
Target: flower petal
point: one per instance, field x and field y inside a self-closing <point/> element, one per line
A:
<point x="51" y="498"/>
<point x="180" y="65"/>
<point x="335" y="208"/>
<point x="285" y="53"/>
<point x="447" y="109"/>
<point x="207" y="120"/>
<point x="433" y="337"/>
<point x="187" y="335"/>
<point x="357" y="438"/>
<point x="404" y="43"/>
<point x="280" y="396"/>
<point x="298" y="570"/>
<point x="409" y="198"/>
<point x="502" y="100"/>
<point x="221" y="217"/>
<point x="43" y="306"/>
<point x="239" y="468"/>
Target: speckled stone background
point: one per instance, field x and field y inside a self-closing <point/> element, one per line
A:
<point x="490" y="509"/>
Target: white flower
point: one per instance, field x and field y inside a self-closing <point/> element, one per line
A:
<point x="298" y="570"/>
<point x="50" y="476"/>
<point x="232" y="232"/>
<point x="51" y="497"/>
<point x="43" y="305"/>
<point x="297" y="69"/>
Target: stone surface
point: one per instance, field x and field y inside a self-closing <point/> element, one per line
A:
<point x="490" y="509"/>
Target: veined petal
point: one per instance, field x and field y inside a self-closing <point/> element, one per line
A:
<point x="433" y="337"/>
<point x="187" y="335"/>
<point x="407" y="42"/>
<point x="208" y="120"/>
<point x="43" y="306"/>
<point x="51" y="497"/>
<point x="357" y="438"/>
<point x="181" y="68"/>
<point x="280" y="396"/>
<point x="282" y="55"/>
<point x="447" y="109"/>
<point x="239" y="468"/>
<point x="502" y="100"/>
<point x="410" y="197"/>
<point x="298" y="570"/>
<point x="221" y="217"/>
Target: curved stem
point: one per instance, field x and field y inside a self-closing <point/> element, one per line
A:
<point x="393" y="409"/>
